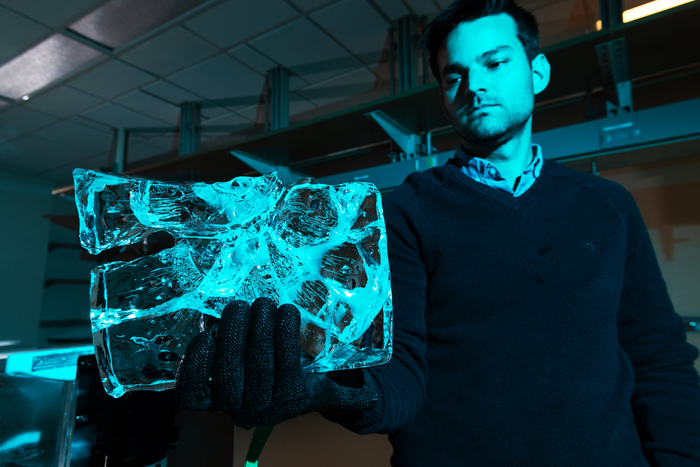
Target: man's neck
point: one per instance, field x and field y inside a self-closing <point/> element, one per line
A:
<point x="511" y="159"/>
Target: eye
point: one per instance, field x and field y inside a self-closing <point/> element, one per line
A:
<point x="452" y="80"/>
<point x="493" y="65"/>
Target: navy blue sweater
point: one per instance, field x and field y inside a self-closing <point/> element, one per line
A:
<point x="530" y="331"/>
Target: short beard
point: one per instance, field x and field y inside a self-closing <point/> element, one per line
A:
<point x="495" y="140"/>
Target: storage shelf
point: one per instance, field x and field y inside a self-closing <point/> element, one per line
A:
<point x="347" y="140"/>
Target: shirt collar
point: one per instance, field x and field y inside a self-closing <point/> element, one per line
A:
<point x="482" y="171"/>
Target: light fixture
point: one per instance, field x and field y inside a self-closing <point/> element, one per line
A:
<point x="119" y="21"/>
<point x="651" y="8"/>
<point x="647" y="9"/>
<point x="42" y="64"/>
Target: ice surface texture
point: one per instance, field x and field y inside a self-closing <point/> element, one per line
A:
<point x="320" y="247"/>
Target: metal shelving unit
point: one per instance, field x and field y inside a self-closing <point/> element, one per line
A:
<point x="659" y="71"/>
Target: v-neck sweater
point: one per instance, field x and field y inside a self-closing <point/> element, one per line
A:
<point x="530" y="331"/>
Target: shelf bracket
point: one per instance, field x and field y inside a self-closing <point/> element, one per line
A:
<point x="284" y="173"/>
<point x="411" y="144"/>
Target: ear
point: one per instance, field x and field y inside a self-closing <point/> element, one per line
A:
<point x="540" y="73"/>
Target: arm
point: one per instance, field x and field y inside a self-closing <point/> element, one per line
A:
<point x="400" y="383"/>
<point x="666" y="398"/>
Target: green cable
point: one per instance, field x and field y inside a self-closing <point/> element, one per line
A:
<point x="257" y="444"/>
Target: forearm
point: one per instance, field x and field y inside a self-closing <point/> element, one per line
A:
<point x="401" y="391"/>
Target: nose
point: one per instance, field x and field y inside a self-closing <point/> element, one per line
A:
<point x="476" y="81"/>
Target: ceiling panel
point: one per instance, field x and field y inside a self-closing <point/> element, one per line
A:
<point x="165" y="143"/>
<point x="308" y="5"/>
<point x="44" y="63"/>
<point x="237" y="20"/>
<point x="298" y="104"/>
<point x="17" y="34"/>
<point x="253" y="58"/>
<point x="296" y="82"/>
<point x="77" y="133"/>
<point x="18" y="121"/>
<point x="63" y="101"/>
<point x="151" y="106"/>
<point x="394" y="9"/>
<point x="119" y="21"/>
<point x="355" y="82"/>
<point x="356" y="25"/>
<point x="177" y="95"/>
<point x="169" y="52"/>
<point x="140" y="151"/>
<point x="251" y="113"/>
<point x="63" y="175"/>
<point x="52" y="12"/>
<point x="224" y="80"/>
<point x="306" y="51"/>
<point x="117" y="116"/>
<point x="422" y="7"/>
<point x="111" y="79"/>
<point x="233" y="122"/>
<point x="31" y="154"/>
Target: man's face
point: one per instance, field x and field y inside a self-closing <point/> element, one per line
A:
<point x="482" y="63"/>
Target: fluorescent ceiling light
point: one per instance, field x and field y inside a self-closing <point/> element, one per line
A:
<point x="120" y="21"/>
<point x="42" y="64"/>
<point x="651" y="8"/>
<point x="647" y="9"/>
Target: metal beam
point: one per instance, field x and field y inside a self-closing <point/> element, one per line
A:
<point x="392" y="61"/>
<point x="278" y="98"/>
<point x="612" y="59"/>
<point x="121" y="145"/>
<point x="610" y="13"/>
<point x="190" y="127"/>
<point x="406" y="52"/>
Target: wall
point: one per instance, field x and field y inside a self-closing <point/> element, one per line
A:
<point x="668" y="196"/>
<point x="65" y="315"/>
<point x="24" y="235"/>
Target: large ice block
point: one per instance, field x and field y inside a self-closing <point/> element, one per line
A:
<point x="320" y="247"/>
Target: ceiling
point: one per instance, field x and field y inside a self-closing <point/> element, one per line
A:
<point x="73" y="70"/>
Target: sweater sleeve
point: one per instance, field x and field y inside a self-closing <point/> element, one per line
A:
<point x="400" y="383"/>
<point x="666" y="397"/>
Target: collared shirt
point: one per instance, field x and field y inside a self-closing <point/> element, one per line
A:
<point x="483" y="171"/>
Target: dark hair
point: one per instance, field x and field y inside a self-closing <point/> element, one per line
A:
<point x="470" y="10"/>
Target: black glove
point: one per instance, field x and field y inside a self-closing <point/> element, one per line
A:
<point x="256" y="372"/>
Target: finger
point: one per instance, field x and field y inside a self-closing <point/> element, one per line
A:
<point x="192" y="380"/>
<point x="259" y="362"/>
<point x="288" y="388"/>
<point x="228" y="371"/>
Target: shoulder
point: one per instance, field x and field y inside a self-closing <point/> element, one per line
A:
<point x="414" y="185"/>
<point x="593" y="185"/>
<point x="403" y="204"/>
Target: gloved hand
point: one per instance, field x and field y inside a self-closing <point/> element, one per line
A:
<point x="256" y="372"/>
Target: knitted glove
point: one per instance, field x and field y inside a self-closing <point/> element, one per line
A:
<point x="252" y="370"/>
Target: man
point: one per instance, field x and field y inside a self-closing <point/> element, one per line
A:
<point x="532" y="326"/>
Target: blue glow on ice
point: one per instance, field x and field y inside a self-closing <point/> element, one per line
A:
<point x="320" y="247"/>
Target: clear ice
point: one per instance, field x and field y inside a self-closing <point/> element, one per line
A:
<point x="320" y="247"/>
